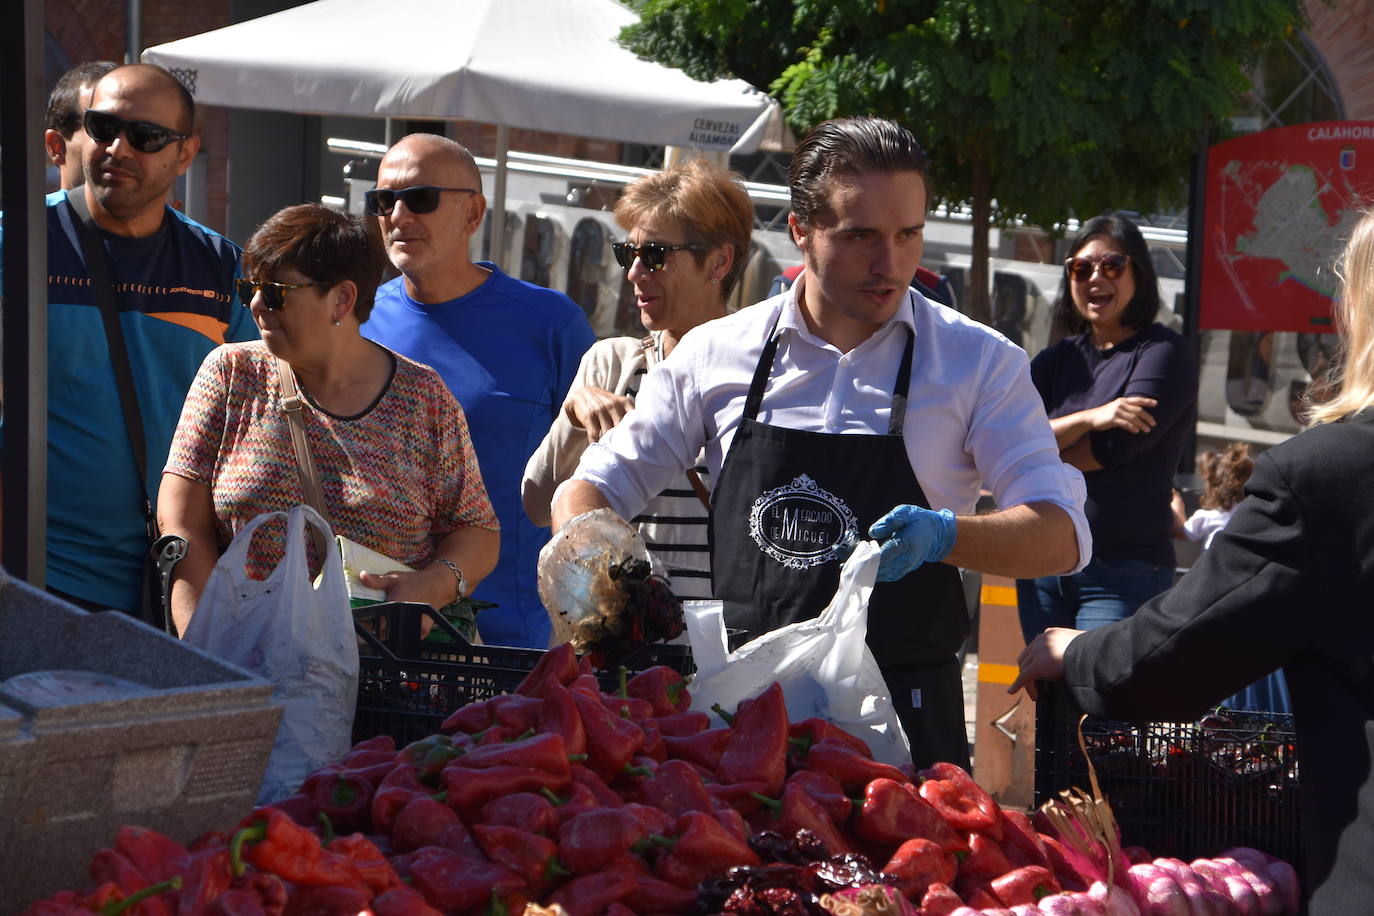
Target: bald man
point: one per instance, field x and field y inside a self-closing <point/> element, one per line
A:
<point x="173" y="283"/>
<point x="507" y="349"/>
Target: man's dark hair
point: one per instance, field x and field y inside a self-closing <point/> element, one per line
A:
<point x="1140" y="312"/>
<point x="65" y="105"/>
<point x="849" y="146"/>
<point x="326" y="245"/>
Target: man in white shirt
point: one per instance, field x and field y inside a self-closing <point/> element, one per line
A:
<point x="850" y="405"/>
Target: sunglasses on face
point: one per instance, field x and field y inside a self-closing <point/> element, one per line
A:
<point x="652" y="255"/>
<point x="422" y="198"/>
<point x="144" y="136"/>
<point x="1111" y="265"/>
<point x="273" y="294"/>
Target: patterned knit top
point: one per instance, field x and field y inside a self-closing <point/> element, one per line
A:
<point x="397" y="477"/>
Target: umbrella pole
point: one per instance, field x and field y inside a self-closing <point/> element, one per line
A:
<point x="498" y="197"/>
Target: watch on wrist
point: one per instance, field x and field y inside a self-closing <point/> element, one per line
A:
<point x="458" y="574"/>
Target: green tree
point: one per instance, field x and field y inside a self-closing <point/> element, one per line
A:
<point x="1030" y="109"/>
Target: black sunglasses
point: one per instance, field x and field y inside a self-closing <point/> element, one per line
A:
<point x="273" y="294"/>
<point x="144" y="136"/>
<point x="652" y="255"/>
<point x="1112" y="266"/>
<point x="422" y="198"/>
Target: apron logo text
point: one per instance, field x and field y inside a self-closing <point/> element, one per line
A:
<point x="801" y="525"/>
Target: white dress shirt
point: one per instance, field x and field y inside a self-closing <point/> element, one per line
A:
<point x="973" y="417"/>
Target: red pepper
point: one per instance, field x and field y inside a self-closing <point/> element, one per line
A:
<point x="651" y="820"/>
<point x="378" y="743"/>
<point x="651" y="895"/>
<point x="524" y="811"/>
<point x="985" y="857"/>
<point x="374" y="773"/>
<point x="940" y="900"/>
<point x="300" y="808"/>
<point x="590" y="895"/>
<point x="318" y="776"/>
<point x="704" y="748"/>
<point x="265" y="892"/>
<point x="604" y="794"/>
<point x="893" y="813"/>
<point x="272" y="842"/>
<point x="541" y="752"/>
<point x="976" y="892"/>
<point x="611" y="740"/>
<point x="1021" y="841"/>
<point x="467" y="790"/>
<point x="1024" y="885"/>
<point x="159" y="858"/>
<point x="402" y="900"/>
<point x="327" y="900"/>
<point x="533" y="858"/>
<point x="405" y="776"/>
<point x="917" y="864"/>
<point x="593" y="838"/>
<point x="516" y="712"/>
<point x="662" y="687"/>
<point x="757" y="751"/>
<point x="632" y="708"/>
<point x="236" y="902"/>
<point x="426" y="821"/>
<point x="826" y="792"/>
<point x="732" y="821"/>
<point x="742" y="796"/>
<point x="653" y="747"/>
<point x="683" y="724"/>
<point x="110" y="867"/>
<point x="802" y="812"/>
<point x="388" y="803"/>
<point x="1061" y="863"/>
<point x="209" y="875"/>
<point x="429" y="755"/>
<point x="109" y="900"/>
<point x="559" y="715"/>
<point x="808" y="732"/>
<point x="346" y="799"/>
<point x="453" y="882"/>
<point x="676" y="789"/>
<point x="703" y="848"/>
<point x="960" y="800"/>
<point x="619" y="909"/>
<point x="556" y="666"/>
<point x="851" y="770"/>
<point x="470" y="719"/>
<point x="371" y="863"/>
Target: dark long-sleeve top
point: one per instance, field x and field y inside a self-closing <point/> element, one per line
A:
<point x="1128" y="497"/>
<point x="1287" y="584"/>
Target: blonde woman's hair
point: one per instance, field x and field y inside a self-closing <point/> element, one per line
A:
<point x="1353" y="376"/>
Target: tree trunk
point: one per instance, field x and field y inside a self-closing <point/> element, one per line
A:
<point x="979" y="282"/>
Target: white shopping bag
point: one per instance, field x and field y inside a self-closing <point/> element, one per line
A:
<point x="823" y="664"/>
<point x="294" y="633"/>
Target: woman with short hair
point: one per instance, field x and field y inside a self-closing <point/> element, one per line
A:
<point x="391" y="445"/>
<point x="690" y="229"/>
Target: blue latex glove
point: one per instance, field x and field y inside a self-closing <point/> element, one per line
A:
<point x="910" y="537"/>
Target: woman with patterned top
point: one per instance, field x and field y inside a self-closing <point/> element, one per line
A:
<point x="689" y="234"/>
<point x="391" y="445"/>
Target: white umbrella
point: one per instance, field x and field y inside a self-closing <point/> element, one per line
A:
<point x="551" y="65"/>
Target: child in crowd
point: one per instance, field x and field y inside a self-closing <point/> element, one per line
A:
<point x="1224" y="473"/>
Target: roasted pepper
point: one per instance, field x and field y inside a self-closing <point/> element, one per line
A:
<point x="453" y="882"/>
<point x="963" y="803"/>
<point x="682" y="724"/>
<point x="826" y="792"/>
<point x="516" y="712"/>
<point x="701" y="848"/>
<point x="851" y="770"/>
<point x="593" y="838"/>
<point x="704" y="748"/>
<point x="917" y="864"/>
<point x="346" y="798"/>
<point x="272" y="842"/>
<point x="757" y="751"/>
<point x="651" y="895"/>
<point x="267" y="893"/>
<point x="469" y="719"/>
<point x="662" y="687"/>
<point x="429" y="756"/>
<point x="590" y="895"/>
<point x="524" y="811"/>
<point x="676" y="788"/>
<point x="1024" y="885"/>
<point x="371" y="863"/>
<point x="809" y="732"/>
<point x="467" y="790"/>
<point x="534" y="858"/>
<point x="939" y="900"/>
<point x="402" y="900"/>
<point x="559" y="715"/>
<point x="1020" y="840"/>
<point x="327" y="900"/>
<point x="891" y="814"/>
<point x="209" y="874"/>
<point x="556" y="666"/>
<point x="541" y="752"/>
<point x="157" y="857"/>
<point x="426" y="821"/>
<point x="985" y="857"/>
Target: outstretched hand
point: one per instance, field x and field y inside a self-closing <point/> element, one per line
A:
<point x="1043" y="659"/>
<point x="911" y="536"/>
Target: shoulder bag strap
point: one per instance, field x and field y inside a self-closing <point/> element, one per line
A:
<point x="291" y="406"/>
<point x="102" y="288"/>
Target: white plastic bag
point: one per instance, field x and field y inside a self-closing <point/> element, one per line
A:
<point x="823" y="664"/>
<point x="295" y="634"/>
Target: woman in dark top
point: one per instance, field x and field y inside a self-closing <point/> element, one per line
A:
<point x="1121" y="394"/>
<point x="1301" y="543"/>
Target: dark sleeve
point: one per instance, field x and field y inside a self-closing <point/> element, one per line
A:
<point x="1227" y="623"/>
<point x="1164" y="370"/>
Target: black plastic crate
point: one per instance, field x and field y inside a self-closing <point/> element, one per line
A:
<point x="1182" y="789"/>
<point x="407" y="686"/>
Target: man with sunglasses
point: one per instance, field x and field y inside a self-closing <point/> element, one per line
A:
<point x="172" y="286"/>
<point x="65" y="136"/>
<point x="507" y="349"/>
<point x="851" y="406"/>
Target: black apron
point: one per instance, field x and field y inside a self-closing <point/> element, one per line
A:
<point x="785" y="501"/>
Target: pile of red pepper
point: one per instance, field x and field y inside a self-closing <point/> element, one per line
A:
<point x="606" y="804"/>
